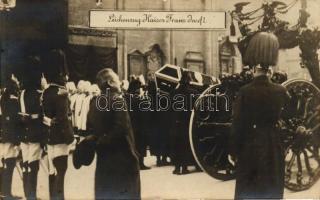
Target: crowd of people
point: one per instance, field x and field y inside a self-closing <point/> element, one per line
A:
<point x="35" y="118"/>
<point x="46" y="117"/>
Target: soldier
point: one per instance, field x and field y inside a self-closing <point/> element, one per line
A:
<point x="11" y="130"/>
<point x="31" y="115"/>
<point x="255" y="136"/>
<point x="117" y="171"/>
<point x="57" y="120"/>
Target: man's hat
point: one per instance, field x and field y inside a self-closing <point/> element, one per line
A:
<point x="84" y="153"/>
<point x="55" y="65"/>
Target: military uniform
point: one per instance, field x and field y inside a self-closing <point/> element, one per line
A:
<point x="255" y="140"/>
<point x="59" y="134"/>
<point x="11" y="134"/>
<point x="32" y="137"/>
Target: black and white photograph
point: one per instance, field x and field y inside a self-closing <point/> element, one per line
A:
<point x="157" y="100"/>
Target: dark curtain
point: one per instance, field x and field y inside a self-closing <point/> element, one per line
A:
<point x="33" y="27"/>
<point x="85" y="61"/>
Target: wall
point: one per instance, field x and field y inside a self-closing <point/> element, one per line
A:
<point x="30" y="28"/>
<point x="176" y="43"/>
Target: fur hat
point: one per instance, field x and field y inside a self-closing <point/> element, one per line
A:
<point x="55" y="66"/>
<point x="263" y="50"/>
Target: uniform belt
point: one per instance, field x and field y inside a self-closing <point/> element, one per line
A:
<point x="46" y="121"/>
<point x="32" y="116"/>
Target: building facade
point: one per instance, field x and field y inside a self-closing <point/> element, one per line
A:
<point x="176" y="44"/>
<point x="89" y="50"/>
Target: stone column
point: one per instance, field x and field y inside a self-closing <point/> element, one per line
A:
<point x="168" y="37"/>
<point x="208" y="44"/>
<point x="122" y="46"/>
<point x="215" y="43"/>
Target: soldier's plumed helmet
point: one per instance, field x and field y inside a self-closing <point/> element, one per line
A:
<point x="81" y="86"/>
<point x="71" y="87"/>
<point x="263" y="50"/>
<point x="56" y="66"/>
<point x="86" y="87"/>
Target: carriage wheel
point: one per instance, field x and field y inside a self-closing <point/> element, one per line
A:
<point x="301" y="135"/>
<point x="209" y="131"/>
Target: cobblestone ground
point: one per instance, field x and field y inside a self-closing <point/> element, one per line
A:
<point x="157" y="183"/>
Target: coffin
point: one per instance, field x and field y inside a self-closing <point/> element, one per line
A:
<point x="169" y="76"/>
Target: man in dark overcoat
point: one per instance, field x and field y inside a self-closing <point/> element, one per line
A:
<point x="260" y="169"/>
<point x="255" y="139"/>
<point x="117" y="170"/>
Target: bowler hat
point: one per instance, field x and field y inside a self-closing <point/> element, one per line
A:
<point x="84" y="153"/>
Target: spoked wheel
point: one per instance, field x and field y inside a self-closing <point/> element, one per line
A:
<point x="209" y="130"/>
<point x="301" y="135"/>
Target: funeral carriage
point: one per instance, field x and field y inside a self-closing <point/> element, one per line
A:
<point x="209" y="129"/>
